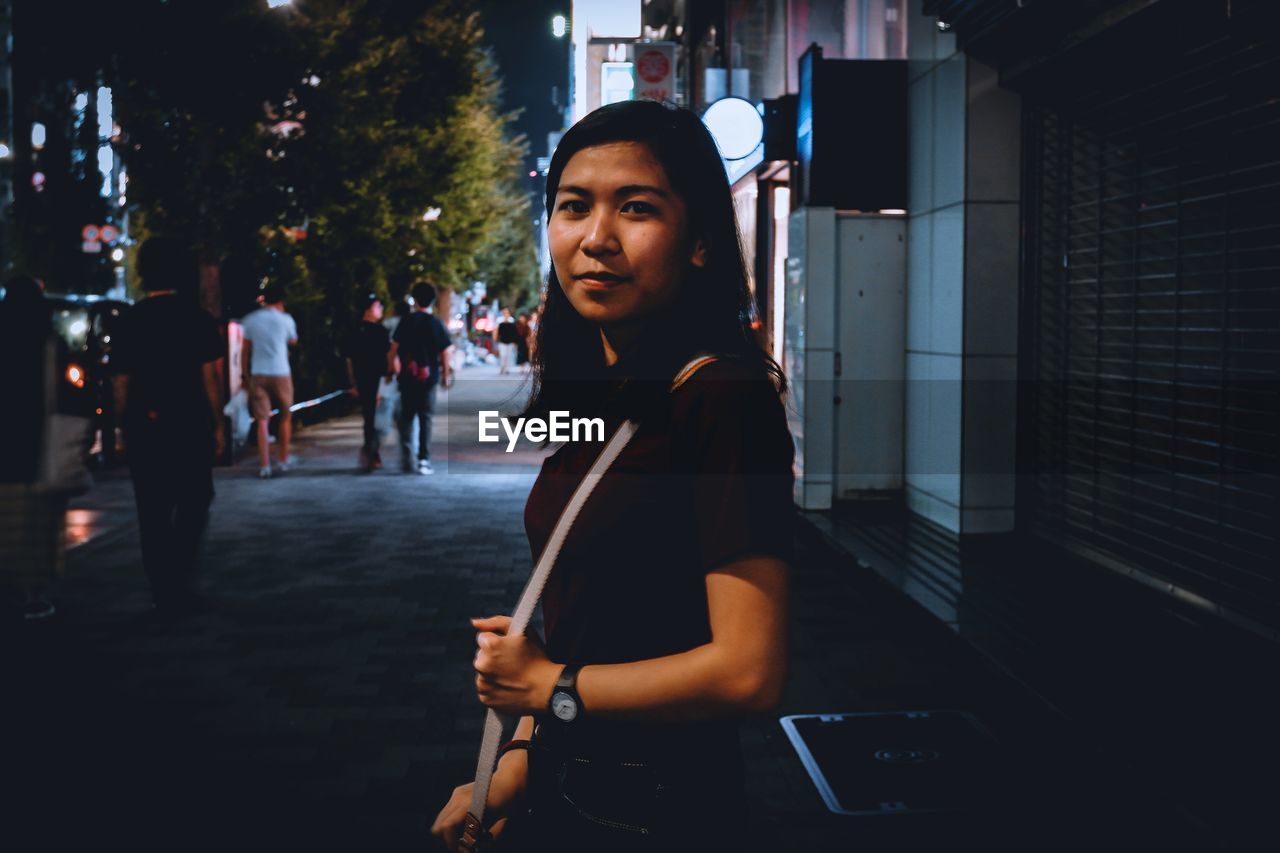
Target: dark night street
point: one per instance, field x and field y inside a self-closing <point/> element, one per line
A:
<point x="326" y="700"/>
<point x="967" y="527"/>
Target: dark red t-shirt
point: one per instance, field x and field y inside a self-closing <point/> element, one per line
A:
<point x="705" y="481"/>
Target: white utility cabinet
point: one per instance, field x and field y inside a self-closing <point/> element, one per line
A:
<point x="844" y="353"/>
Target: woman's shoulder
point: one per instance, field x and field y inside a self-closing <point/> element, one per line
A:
<point x="729" y="386"/>
<point x="729" y="416"/>
<point x="728" y="374"/>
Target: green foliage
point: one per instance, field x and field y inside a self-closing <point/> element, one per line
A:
<point x="398" y="108"/>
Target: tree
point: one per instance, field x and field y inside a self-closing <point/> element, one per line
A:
<point x="319" y="151"/>
<point x="192" y="113"/>
<point x="405" y="168"/>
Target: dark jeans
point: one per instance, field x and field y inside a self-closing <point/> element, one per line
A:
<point x="368" y="390"/>
<point x="576" y="804"/>
<point x="416" y="402"/>
<point x="173" y="488"/>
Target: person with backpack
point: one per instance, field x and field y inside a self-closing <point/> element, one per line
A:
<point x="420" y="348"/>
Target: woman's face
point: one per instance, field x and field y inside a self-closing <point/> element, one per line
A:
<point x="619" y="234"/>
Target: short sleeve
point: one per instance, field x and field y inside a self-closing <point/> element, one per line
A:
<point x="740" y="453"/>
<point x="401" y="331"/>
<point x="293" y="328"/>
<point x="442" y="337"/>
<point x="248" y="325"/>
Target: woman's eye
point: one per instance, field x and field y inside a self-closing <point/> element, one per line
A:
<point x="638" y="207"/>
<point x="573" y="206"/>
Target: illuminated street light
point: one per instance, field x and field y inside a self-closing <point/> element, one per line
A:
<point x="559" y="26"/>
<point x="276" y="4"/>
<point x="432" y="214"/>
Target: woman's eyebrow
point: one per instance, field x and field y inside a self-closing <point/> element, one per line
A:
<point x="582" y="191"/>
<point x="632" y="189"/>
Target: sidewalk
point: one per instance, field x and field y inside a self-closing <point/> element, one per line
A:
<point x="326" y="702"/>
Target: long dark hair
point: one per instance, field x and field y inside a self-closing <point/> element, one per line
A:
<point x="712" y="309"/>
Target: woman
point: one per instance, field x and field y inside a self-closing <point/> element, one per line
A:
<point x="32" y="520"/>
<point x="665" y="614"/>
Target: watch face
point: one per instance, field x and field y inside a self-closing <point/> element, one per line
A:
<point x="564" y="707"/>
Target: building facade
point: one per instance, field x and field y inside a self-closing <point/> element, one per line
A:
<point x="1067" y="330"/>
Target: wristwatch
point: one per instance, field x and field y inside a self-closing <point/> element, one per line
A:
<point x="566" y="705"/>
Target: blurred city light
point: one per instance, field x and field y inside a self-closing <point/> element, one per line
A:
<point x="106" y="163"/>
<point x="276" y="4"/>
<point x="4" y="151"/>
<point x="619" y="83"/>
<point x="559" y="26"/>
<point x="38" y="135"/>
<point x="105" y="120"/>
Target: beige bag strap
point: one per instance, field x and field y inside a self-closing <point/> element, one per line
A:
<point x="686" y="372"/>
<point x="523" y="612"/>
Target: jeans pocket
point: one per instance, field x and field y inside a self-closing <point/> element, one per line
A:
<point x="620" y="796"/>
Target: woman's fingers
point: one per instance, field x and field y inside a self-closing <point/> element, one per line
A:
<point x="448" y="824"/>
<point x="495" y="624"/>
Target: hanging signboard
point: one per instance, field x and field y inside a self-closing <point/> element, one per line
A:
<point x="655" y="69"/>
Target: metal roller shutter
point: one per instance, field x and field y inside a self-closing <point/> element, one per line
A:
<point x="1153" y="320"/>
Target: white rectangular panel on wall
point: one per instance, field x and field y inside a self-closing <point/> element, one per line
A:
<point x="810" y="340"/>
<point x="869" y="390"/>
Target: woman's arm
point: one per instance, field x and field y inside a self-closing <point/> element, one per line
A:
<point x="741" y="670"/>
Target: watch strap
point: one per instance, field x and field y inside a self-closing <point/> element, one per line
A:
<point x="568" y="680"/>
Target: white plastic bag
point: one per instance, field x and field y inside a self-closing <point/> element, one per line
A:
<point x="388" y="398"/>
<point x="237" y="408"/>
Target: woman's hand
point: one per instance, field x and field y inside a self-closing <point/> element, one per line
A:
<point x="505" y="791"/>
<point x="448" y="825"/>
<point x="513" y="674"/>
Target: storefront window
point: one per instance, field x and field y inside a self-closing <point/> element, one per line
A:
<point x="767" y="37"/>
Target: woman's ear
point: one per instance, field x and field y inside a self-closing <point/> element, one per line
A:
<point x="699" y="258"/>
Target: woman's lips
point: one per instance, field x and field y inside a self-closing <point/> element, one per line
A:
<point x="599" y="281"/>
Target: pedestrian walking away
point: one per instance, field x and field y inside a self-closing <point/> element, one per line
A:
<point x="367" y="350"/>
<point x="420" y="348"/>
<point x="32" y="515"/>
<point x="507" y="334"/>
<point x="523" y="331"/>
<point x="269" y="332"/>
<point x="666" y="605"/>
<point x="169" y="354"/>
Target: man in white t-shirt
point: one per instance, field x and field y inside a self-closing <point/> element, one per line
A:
<point x="268" y="334"/>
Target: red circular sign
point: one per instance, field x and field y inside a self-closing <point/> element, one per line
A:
<point x="653" y="66"/>
<point x="89" y="232"/>
<point x="109" y="233"/>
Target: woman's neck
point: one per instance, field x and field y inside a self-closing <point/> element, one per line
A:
<point x="618" y="340"/>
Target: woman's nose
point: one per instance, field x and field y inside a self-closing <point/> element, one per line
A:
<point x="601" y="238"/>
